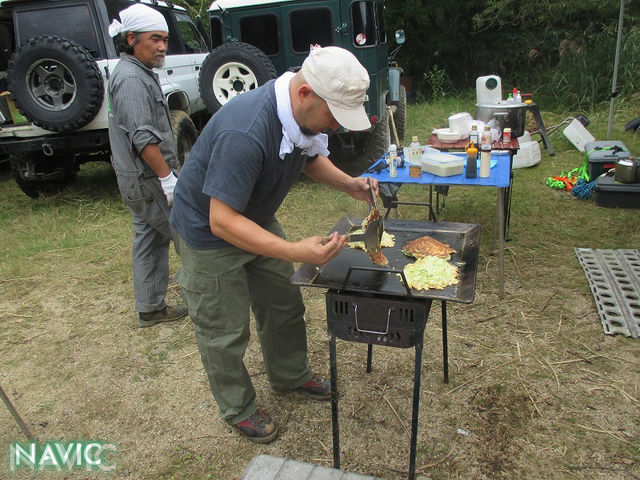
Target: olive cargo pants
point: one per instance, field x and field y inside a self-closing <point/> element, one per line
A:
<point x="220" y="286"/>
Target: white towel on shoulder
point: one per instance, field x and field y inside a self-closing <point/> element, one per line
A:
<point x="292" y="136"/>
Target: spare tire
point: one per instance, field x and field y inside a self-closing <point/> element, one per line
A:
<point x="184" y="133"/>
<point x="232" y="69"/>
<point x="55" y="83"/>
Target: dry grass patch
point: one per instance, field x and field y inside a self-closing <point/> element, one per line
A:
<point x="537" y="390"/>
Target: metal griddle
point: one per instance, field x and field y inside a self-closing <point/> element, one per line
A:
<point x="352" y="270"/>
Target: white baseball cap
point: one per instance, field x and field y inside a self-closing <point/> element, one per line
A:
<point x="336" y="76"/>
<point x="139" y="18"/>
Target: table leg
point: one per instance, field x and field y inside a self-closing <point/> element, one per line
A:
<point x="535" y="111"/>
<point x="500" y="213"/>
<point x="417" y="372"/>
<point x="369" y="357"/>
<point x="333" y="367"/>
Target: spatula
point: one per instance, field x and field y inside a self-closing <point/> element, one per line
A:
<point x="372" y="233"/>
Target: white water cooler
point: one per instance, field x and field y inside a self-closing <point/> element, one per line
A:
<point x="489" y="89"/>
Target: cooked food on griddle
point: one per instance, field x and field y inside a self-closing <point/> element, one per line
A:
<point x="378" y="257"/>
<point x="427" y="246"/>
<point x="430" y="272"/>
<point x="374" y="214"/>
<point x="388" y="240"/>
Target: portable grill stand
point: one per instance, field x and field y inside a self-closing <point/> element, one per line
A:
<point x="374" y="306"/>
<point x="391" y="321"/>
<point x="414" y="412"/>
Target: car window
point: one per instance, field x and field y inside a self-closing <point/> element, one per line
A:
<point x="364" y="25"/>
<point x="382" y="29"/>
<point x="190" y="35"/>
<point x="261" y="31"/>
<point x="216" y="32"/>
<point x="70" y="22"/>
<point x="310" y="26"/>
<point x="174" y="47"/>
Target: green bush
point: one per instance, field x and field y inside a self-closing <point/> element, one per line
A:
<point x="553" y="48"/>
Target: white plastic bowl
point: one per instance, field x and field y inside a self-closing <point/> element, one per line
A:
<point x="445" y="135"/>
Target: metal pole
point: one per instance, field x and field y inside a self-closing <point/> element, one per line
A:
<point x="616" y="63"/>
<point x="445" y="343"/>
<point x="333" y="367"/>
<point x="16" y="416"/>
<point x="417" y="371"/>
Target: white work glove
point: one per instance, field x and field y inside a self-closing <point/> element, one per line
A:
<point x="168" y="184"/>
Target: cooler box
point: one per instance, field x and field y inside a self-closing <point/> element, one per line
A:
<point x="603" y="155"/>
<point x="609" y="193"/>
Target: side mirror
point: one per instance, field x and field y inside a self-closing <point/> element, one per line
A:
<point x="400" y="37"/>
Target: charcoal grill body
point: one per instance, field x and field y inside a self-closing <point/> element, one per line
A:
<point x="374" y="305"/>
<point x="389" y="321"/>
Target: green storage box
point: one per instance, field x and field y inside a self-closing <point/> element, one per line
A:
<point x="603" y="155"/>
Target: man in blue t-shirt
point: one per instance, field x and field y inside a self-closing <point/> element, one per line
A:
<point x="235" y="257"/>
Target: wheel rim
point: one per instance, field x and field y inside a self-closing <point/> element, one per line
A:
<point x="232" y="79"/>
<point x="51" y="85"/>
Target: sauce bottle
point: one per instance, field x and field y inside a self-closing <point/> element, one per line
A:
<point x="393" y="158"/>
<point x="485" y="153"/>
<point x="415" y="155"/>
<point x="471" y="167"/>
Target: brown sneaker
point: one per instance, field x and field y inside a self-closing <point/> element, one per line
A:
<point x="258" y="428"/>
<point x="316" y="388"/>
<point x="167" y="314"/>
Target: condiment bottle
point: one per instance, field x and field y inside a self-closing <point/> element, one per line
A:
<point x="506" y="136"/>
<point x="485" y="153"/>
<point x="473" y="136"/>
<point x="393" y="158"/>
<point x="415" y="155"/>
<point x="471" y="167"/>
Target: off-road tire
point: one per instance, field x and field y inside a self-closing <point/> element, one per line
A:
<point x="232" y="69"/>
<point x="55" y="83"/>
<point x="400" y="113"/>
<point x="372" y="145"/>
<point x="36" y="174"/>
<point x="184" y="133"/>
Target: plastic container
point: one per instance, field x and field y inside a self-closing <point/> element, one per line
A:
<point x="485" y="153"/>
<point x="528" y="155"/>
<point x="506" y="136"/>
<point x="415" y="158"/>
<point x="471" y="168"/>
<point x="577" y="134"/>
<point x="608" y="193"/>
<point x="460" y="123"/>
<point x="392" y="159"/>
<point x="474" y="136"/>
<point x="432" y="164"/>
<point x="445" y="135"/>
<point x="489" y="89"/>
<point x="603" y="155"/>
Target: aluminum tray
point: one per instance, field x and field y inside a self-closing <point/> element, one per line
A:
<point x="353" y="271"/>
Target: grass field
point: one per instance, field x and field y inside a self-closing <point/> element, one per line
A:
<point x="536" y="389"/>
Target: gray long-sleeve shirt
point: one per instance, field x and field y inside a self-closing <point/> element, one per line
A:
<point x="138" y="115"/>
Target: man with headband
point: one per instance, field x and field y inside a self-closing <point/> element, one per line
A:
<point x="235" y="256"/>
<point x="143" y="155"/>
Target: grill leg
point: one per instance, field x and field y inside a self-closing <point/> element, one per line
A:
<point x="445" y="343"/>
<point x="333" y="367"/>
<point x="369" y="357"/>
<point x="417" y="372"/>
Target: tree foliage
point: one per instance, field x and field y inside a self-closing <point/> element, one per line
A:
<point x="551" y="47"/>
<point x="559" y="48"/>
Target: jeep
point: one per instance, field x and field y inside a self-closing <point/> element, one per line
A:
<point x="256" y="40"/>
<point x="55" y="59"/>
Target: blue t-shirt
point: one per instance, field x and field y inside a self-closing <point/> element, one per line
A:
<point x="236" y="161"/>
